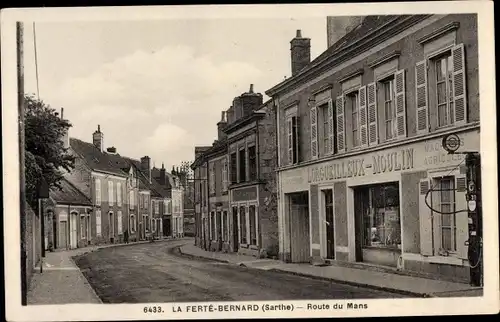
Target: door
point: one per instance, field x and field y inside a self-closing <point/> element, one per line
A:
<point x="235" y="229"/>
<point x="74" y="230"/>
<point x="111" y="227"/>
<point x="329" y="223"/>
<point x="54" y="233"/>
<point x="299" y="234"/>
<point x="63" y="234"/>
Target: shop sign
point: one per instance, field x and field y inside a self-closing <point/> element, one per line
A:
<point x="381" y="163"/>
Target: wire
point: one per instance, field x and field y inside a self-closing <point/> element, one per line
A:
<point x="36" y="62"/>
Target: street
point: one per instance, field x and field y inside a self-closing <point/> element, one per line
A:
<point x="157" y="272"/>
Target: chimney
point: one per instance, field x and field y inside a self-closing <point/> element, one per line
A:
<point x="146" y="166"/>
<point x="98" y="139"/>
<point x="163" y="176"/>
<point x="111" y="150"/>
<point x="65" y="134"/>
<point x="300" y="52"/>
<point x="250" y="101"/>
<point x="220" y="126"/>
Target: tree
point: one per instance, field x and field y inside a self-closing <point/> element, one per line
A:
<point x="46" y="156"/>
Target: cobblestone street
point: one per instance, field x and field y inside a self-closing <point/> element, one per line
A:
<point x="157" y="272"/>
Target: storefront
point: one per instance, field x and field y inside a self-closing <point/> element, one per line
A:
<point x="245" y="219"/>
<point x="371" y="207"/>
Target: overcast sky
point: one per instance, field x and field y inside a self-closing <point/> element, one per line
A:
<point x="157" y="88"/>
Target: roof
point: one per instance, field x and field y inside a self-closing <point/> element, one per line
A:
<point x="366" y="29"/>
<point x="97" y="160"/>
<point x="69" y="194"/>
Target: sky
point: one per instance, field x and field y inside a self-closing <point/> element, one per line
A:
<point x="158" y="87"/>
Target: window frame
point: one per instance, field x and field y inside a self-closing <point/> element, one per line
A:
<point x="242" y="164"/>
<point x="437" y="184"/>
<point x="252" y="162"/>
<point x="444" y="55"/>
<point x="349" y="98"/>
<point x="98" y="192"/>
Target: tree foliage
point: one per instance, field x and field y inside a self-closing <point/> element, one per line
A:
<point x="46" y="156"/>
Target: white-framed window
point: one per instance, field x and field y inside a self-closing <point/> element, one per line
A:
<point x="83" y="226"/>
<point x="443" y="69"/>
<point x="98" y="192"/>
<point x="353" y="103"/>
<point x="111" y="193"/>
<point x="132" y="198"/>
<point x="119" y="194"/>
<point x="389" y="110"/>
<point x="157" y="206"/>
<point x="120" y="223"/>
<point x="443" y="215"/>
<point x="98" y="223"/>
<point x="133" y="223"/>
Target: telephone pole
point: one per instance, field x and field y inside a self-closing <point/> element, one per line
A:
<point x="22" y="178"/>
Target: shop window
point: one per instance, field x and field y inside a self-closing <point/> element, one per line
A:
<point x="253" y="225"/>
<point x="243" y="225"/>
<point x="381" y="216"/>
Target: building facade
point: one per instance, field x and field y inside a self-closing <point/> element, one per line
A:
<point x="240" y="179"/>
<point x="360" y="132"/>
<point x="200" y="181"/>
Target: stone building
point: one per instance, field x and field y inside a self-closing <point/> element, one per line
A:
<point x="360" y="131"/>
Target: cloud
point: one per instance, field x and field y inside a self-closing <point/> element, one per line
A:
<point x="157" y="103"/>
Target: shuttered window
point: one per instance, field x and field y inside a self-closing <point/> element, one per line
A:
<point x="400" y="100"/>
<point x="98" y="222"/>
<point x="111" y="193"/>
<point x="314" y="132"/>
<point x="371" y="93"/>
<point x="119" y="194"/>
<point x="97" y="192"/>
<point x="340" y="121"/>
<point x="292" y="139"/>
<point x="120" y="222"/>
<point x="363" y="124"/>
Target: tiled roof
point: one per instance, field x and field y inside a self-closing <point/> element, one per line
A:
<point x="69" y="195"/>
<point x="98" y="160"/>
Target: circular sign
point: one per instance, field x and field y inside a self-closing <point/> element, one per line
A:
<point x="472" y="205"/>
<point x="472" y="186"/>
<point x="451" y="143"/>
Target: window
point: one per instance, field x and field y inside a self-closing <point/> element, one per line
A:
<point x="119" y="194"/>
<point x="353" y="103"/>
<point x="153" y="228"/>
<point x="234" y="170"/>
<point x="224" y="174"/>
<point x="389" y="110"/>
<point x="132" y="199"/>
<point x="378" y="208"/>
<point x="133" y="223"/>
<point x="164" y="206"/>
<point x="146" y="201"/>
<point x="292" y="142"/>
<point x="243" y="225"/>
<point x="111" y="193"/>
<point x="252" y="158"/>
<point x="445" y="189"/>
<point x="147" y="223"/>
<point x="157" y="207"/>
<point x="83" y="227"/>
<point x="253" y="225"/>
<point x="98" y="192"/>
<point x="444" y="89"/>
<point x="325" y="128"/>
<point x="119" y="218"/>
<point x="98" y="222"/>
<point x="212" y="177"/>
<point x="111" y="224"/>
<point x="242" y="165"/>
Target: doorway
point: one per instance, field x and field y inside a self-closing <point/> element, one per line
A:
<point x="300" y="244"/>
<point x="235" y="240"/>
<point x="63" y="234"/>
<point x="111" y="228"/>
<point x="166" y="226"/>
<point x="73" y="230"/>
<point x="329" y="223"/>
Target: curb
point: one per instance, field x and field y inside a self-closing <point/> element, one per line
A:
<point x="87" y="281"/>
<point x="356" y="284"/>
<point x="203" y="257"/>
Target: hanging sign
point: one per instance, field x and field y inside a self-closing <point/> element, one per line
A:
<point x="472" y="205"/>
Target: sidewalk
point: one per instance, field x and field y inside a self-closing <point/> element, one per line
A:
<point x="397" y="283"/>
<point x="61" y="281"/>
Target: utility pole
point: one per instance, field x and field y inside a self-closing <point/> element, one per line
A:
<point x="22" y="177"/>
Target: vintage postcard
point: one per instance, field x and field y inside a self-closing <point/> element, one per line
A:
<point x="250" y="161"/>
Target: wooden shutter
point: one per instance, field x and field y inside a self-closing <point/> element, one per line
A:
<point x="363" y="124"/>
<point x="425" y="218"/>
<point x="339" y="105"/>
<point x="421" y="97"/>
<point x="331" y="127"/>
<point x="461" y="216"/>
<point x="372" y="114"/>
<point x="290" y="139"/>
<point x="459" y="84"/>
<point x="119" y="217"/>
<point x="314" y="132"/>
<point x="295" y="139"/>
<point x="400" y="98"/>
